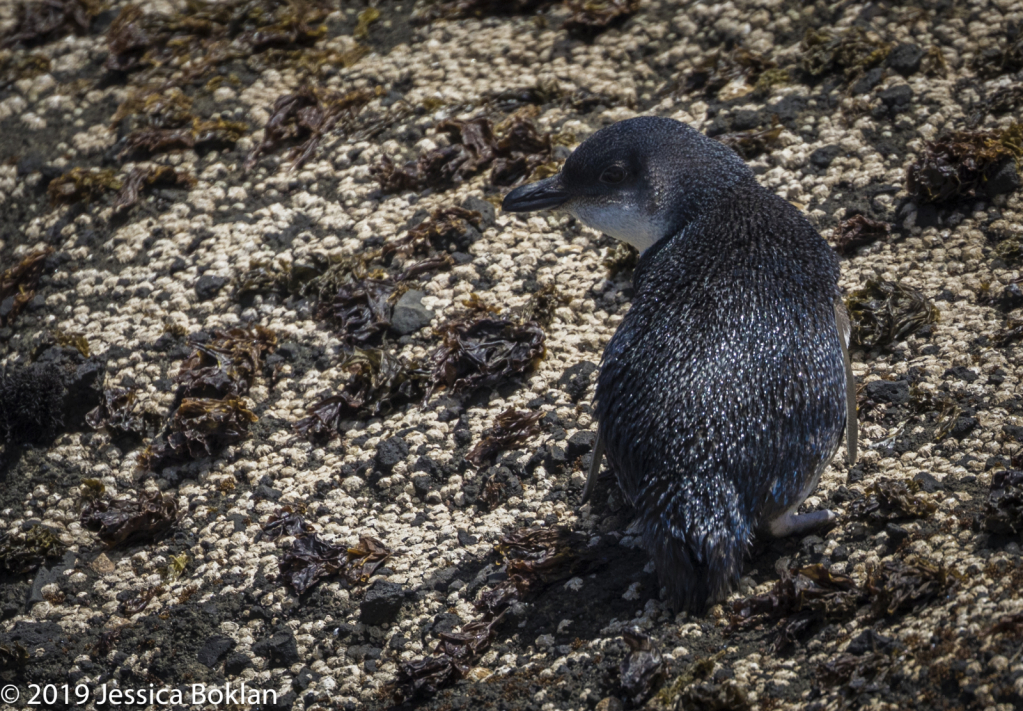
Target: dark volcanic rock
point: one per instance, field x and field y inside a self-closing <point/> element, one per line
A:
<point x="214" y="649"/>
<point x="209" y="285"/>
<point x="280" y="649"/>
<point x="823" y="156"/>
<point x="905" y="58"/>
<point x="390" y="452"/>
<point x="382" y="603"/>
<point x="409" y="313"/>
<point x="576" y="379"/>
<point x="888" y="392"/>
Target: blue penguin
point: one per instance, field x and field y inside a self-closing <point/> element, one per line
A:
<point x="726" y="389"/>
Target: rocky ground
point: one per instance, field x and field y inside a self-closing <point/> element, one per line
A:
<point x="286" y="400"/>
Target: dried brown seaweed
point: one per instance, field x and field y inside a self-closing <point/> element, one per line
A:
<point x="310" y="558"/>
<point x="227" y="364"/>
<point x="1003" y="510"/>
<point x="750" y="144"/>
<point x="485" y="352"/>
<point x="801" y="598"/>
<point x="591" y="17"/>
<point x="285" y="521"/>
<point x="207" y="34"/>
<point x="307" y="116"/>
<point x="141" y="601"/>
<point x="533" y="559"/>
<point x="904" y="585"/>
<point x="22" y="553"/>
<point x="82" y="185"/>
<point x="513" y="151"/>
<point x="852" y="52"/>
<point x="716" y="70"/>
<point x="78" y="341"/>
<point x="121" y="414"/>
<point x="891" y="500"/>
<point x="1006" y="58"/>
<point x="140" y="179"/>
<point x="379" y="381"/>
<point x="210" y="133"/>
<point x="361" y="310"/>
<point x="43" y="21"/>
<point x="455" y="9"/>
<point x="366" y="18"/>
<point x="201" y="427"/>
<point x="117" y="521"/>
<point x="859" y="231"/>
<point x="445" y="228"/>
<point x="510" y="428"/>
<point x="884" y="312"/>
<point x="18" y="284"/>
<point x="14" y="66"/>
<point x="542" y="303"/>
<point x="958" y="163"/>
<point x="643" y="670"/>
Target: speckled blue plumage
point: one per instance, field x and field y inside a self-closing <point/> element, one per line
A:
<point x="722" y="394"/>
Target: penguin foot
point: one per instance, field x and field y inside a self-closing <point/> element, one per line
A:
<point x="791" y="523"/>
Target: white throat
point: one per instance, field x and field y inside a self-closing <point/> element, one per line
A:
<point x="625" y="222"/>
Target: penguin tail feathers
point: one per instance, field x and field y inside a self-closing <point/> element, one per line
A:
<point x="695" y="573"/>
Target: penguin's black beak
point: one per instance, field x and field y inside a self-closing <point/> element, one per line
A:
<point x="542" y="195"/>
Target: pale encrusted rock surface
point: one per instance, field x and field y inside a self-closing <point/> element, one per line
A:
<point x="129" y="283"/>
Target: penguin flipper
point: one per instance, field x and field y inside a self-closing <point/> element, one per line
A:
<point x="851" y="424"/>
<point x="598" y="457"/>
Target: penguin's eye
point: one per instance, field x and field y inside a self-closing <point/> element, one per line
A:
<point x="613" y="175"/>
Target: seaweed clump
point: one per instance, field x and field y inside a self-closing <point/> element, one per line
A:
<point x="859" y="231"/>
<point x="446" y="229"/>
<point x="227" y="364"/>
<point x="82" y="185"/>
<point x="307" y="116"/>
<point x="852" y="52"/>
<point x="643" y="669"/>
<point x="801" y="600"/>
<point x="140" y="179"/>
<point x="1003" y="510"/>
<point x="310" y="558"/>
<point x="121" y="414"/>
<point x="485" y="352"/>
<point x="591" y="17"/>
<point x="457" y="9"/>
<point x="201" y="427"/>
<point x="117" y="521"/>
<point x="43" y="21"/>
<point x="18" y="284"/>
<point x="904" y="585"/>
<point x="720" y="69"/>
<point x="1006" y="59"/>
<point x="361" y="309"/>
<point x="379" y="382"/>
<point x="510" y="428"/>
<point x="207" y="34"/>
<point x="512" y="150"/>
<point x="532" y="560"/>
<point x="749" y="144"/>
<point x="958" y="163"/>
<point x="884" y="312"/>
<point x="891" y="500"/>
<point x="25" y="552"/>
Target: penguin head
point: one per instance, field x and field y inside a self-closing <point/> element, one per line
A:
<point x="638" y="180"/>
